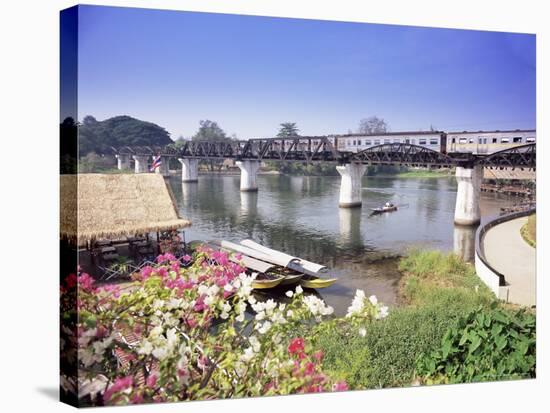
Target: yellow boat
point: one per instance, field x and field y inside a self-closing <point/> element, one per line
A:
<point x="310" y="281"/>
<point x="265" y="283"/>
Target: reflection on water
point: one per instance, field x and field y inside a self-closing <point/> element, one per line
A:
<point x="300" y="216"/>
<point x="350" y="227"/>
<point x="464" y="242"/>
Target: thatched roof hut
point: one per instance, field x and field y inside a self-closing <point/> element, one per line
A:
<point x="111" y="206"/>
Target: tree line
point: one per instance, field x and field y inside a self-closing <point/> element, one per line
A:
<point x="97" y="138"/>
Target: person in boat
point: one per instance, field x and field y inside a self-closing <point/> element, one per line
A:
<point x="388" y="205"/>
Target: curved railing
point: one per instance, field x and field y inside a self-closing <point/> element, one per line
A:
<point x="493" y="278"/>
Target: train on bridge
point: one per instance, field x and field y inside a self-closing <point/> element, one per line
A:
<point x="477" y="143"/>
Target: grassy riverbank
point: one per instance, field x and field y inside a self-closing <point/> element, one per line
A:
<point x="424" y="173"/>
<point x="437" y="292"/>
<point x="529" y="231"/>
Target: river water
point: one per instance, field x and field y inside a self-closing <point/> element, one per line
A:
<point x="299" y="215"/>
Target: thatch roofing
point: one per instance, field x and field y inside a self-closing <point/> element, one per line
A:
<point x="111" y="206"/>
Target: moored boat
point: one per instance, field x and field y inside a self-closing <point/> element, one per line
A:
<point x="265" y="281"/>
<point x="311" y="281"/>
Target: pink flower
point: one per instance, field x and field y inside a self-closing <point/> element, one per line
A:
<point x="136" y="399"/>
<point x="310" y="368"/>
<point x="318" y="355"/>
<point x="296" y="346"/>
<point x="340" y="386"/>
<point x="186" y="258"/>
<point x="146" y="272"/>
<point x="191" y="322"/>
<point x="151" y="381"/>
<point x="169" y="257"/>
<point x="119" y="385"/>
<point x="85" y="282"/>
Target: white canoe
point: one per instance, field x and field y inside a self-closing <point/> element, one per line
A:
<point x="258" y="255"/>
<point x="307" y="267"/>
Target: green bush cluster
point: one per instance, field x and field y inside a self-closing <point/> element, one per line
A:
<point x="485" y="345"/>
<point x="430" y="337"/>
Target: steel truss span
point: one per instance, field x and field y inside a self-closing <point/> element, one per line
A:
<point x="322" y="149"/>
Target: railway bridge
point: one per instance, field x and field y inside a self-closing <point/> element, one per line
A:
<point x="351" y="166"/>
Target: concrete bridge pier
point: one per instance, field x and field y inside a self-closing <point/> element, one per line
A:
<point x="140" y="164"/>
<point x="123" y="161"/>
<point x="249" y="171"/>
<point x="467" y="195"/>
<point x="163" y="168"/>
<point x="189" y="170"/>
<point x="350" y="186"/>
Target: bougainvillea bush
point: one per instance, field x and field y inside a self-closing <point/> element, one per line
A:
<point x="192" y="329"/>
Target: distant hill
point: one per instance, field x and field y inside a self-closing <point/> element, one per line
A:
<point x="99" y="136"/>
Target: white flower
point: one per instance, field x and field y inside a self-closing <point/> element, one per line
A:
<point x="255" y="343"/>
<point x="289" y="293"/>
<point x="157" y="304"/>
<point x="89" y="357"/>
<point x="277" y="318"/>
<point x="224" y="315"/>
<point x="264" y="328"/>
<point x="155" y="332"/>
<point x="209" y="300"/>
<point x="289" y="313"/>
<point x="373" y="300"/>
<point x="362" y="332"/>
<point x="252" y="300"/>
<point x="299" y="289"/>
<point x="383" y="313"/>
<point x="174" y="303"/>
<point x="228" y="287"/>
<point x="160" y="352"/>
<point x="270" y="305"/>
<point x="260" y="316"/>
<point x="248" y="354"/>
<point x="240" y="318"/>
<point x="171" y="338"/>
<point x="213" y="289"/>
<point x="357" y="304"/>
<point x="145" y="348"/>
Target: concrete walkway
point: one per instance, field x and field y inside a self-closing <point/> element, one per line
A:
<point x="509" y="254"/>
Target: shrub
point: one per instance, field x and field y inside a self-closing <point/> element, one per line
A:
<point x="485" y="345"/>
<point x="182" y="333"/>
<point x="384" y="354"/>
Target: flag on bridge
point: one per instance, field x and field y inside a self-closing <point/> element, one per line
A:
<point x="157" y="162"/>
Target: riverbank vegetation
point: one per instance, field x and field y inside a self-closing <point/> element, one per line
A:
<point x="192" y="329"/>
<point x="434" y="336"/>
<point x="529" y="230"/>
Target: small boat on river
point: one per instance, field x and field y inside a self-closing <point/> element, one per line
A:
<point x="388" y="207"/>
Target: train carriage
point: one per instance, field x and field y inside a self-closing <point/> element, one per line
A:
<point x="484" y="142"/>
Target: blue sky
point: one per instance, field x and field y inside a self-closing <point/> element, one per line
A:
<point x="252" y="73"/>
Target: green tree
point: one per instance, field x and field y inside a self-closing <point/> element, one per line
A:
<point x="288" y="130"/>
<point x="99" y="136"/>
<point x="372" y="125"/>
<point x="210" y="131"/>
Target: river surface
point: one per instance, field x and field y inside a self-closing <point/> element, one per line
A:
<point x="299" y="215"/>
